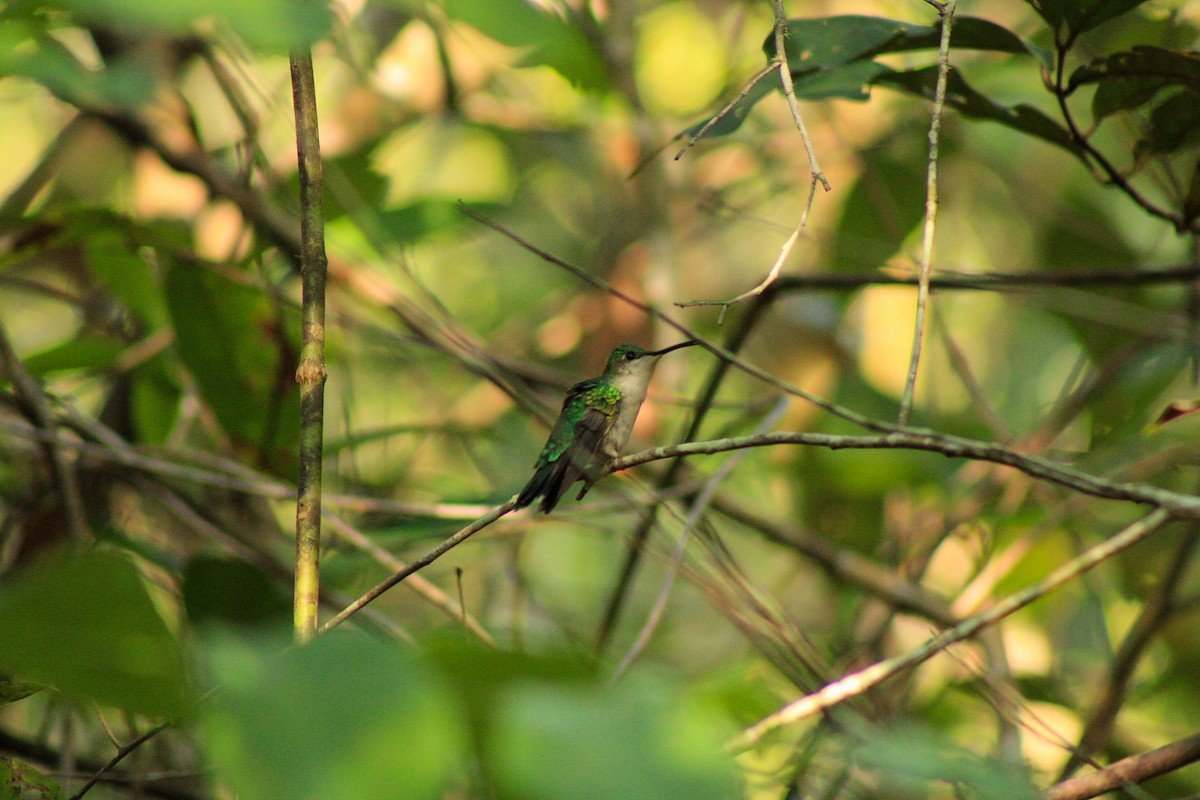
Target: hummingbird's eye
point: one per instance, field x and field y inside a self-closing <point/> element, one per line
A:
<point x="630" y="355"/>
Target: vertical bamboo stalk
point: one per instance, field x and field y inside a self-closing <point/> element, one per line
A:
<point x="311" y="373"/>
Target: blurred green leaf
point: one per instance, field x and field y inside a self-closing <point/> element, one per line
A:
<point x="83" y="352"/>
<point x="12" y="691"/>
<point x="227" y="591"/>
<point x="343" y="717"/>
<point x="275" y="25"/>
<point x="635" y="742"/>
<point x="20" y="781"/>
<point x="27" y="50"/>
<point x="914" y="756"/>
<point x="1133" y="77"/>
<point x="111" y="256"/>
<point x="228" y="335"/>
<point x="884" y="205"/>
<point x="424" y="218"/>
<point x="1174" y="124"/>
<point x="975" y="105"/>
<point x="86" y="625"/>
<point x="547" y="38"/>
<point x="1081" y="16"/>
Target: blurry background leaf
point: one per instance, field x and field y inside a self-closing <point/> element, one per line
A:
<point x="343" y="717"/>
<point x="85" y="625"/>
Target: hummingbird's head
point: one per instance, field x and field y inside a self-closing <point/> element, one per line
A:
<point x="628" y="359"/>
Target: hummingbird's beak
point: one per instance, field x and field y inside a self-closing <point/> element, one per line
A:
<point x="666" y="350"/>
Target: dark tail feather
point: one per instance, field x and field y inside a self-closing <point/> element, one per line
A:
<point x="550" y="483"/>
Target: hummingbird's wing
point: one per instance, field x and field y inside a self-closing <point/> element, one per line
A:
<point x="587" y="415"/>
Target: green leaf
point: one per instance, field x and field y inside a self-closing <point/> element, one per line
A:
<point x="86" y="352"/>
<point x="1131" y="78"/>
<point x="546" y="38"/>
<point x="27" y="50"/>
<point x="830" y="57"/>
<point x="913" y="756"/>
<point x="635" y="742"/>
<point x="12" y="691"/>
<point x="343" y="717"/>
<point x="229" y="337"/>
<point x="274" y="25"/>
<point x="86" y="625"/>
<point x="233" y="592"/>
<point x="424" y="218"/>
<point x="1081" y="16"/>
<point x="1174" y="124"/>
<point x="883" y="206"/>
<point x="971" y="103"/>
<point x="831" y="41"/>
<point x="112" y="257"/>
<point x="20" y="781"/>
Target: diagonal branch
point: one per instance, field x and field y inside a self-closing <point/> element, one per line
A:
<point x="858" y="682"/>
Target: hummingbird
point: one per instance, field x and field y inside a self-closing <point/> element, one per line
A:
<point x="594" y="424"/>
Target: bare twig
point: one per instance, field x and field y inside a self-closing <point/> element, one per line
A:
<point x="422" y="562"/>
<point x="122" y="752"/>
<point x="858" y="682"/>
<point x="1178" y="503"/>
<point x="931" y="206"/>
<point x="36" y="408"/>
<point x="773" y="274"/>
<point x="699" y="504"/>
<point x="311" y="372"/>
<point x="1134" y="769"/>
<point x="698" y="135"/>
<point x="789" y="91"/>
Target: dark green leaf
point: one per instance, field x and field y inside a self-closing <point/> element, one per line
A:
<point x="12" y="691"/>
<point x="970" y="103"/>
<point x="1131" y="78"/>
<point x="1174" y="123"/>
<point x="547" y="38"/>
<point x="220" y="590"/>
<point x="344" y="717"/>
<point x="1191" y="202"/>
<point x="829" y="41"/>
<point x="850" y="82"/>
<point x="86" y="625"/>
<point x="229" y="337"/>
<point x="130" y="277"/>
<point x="1081" y="15"/>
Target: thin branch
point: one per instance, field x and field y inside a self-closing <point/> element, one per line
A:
<point x="1134" y="769"/>
<point x="858" y="682"/>
<point x="698" y="135"/>
<point x="1156" y="610"/>
<point x="311" y="373"/>
<point x="699" y="505"/>
<point x="1130" y="277"/>
<point x="931" y="206"/>
<point x="789" y="91"/>
<point x="36" y="407"/>
<point x="1178" y="503"/>
<point x="773" y="274"/>
<point x="422" y="562"/>
<point x="122" y="751"/>
<point x="637" y="541"/>
<point x="1110" y="171"/>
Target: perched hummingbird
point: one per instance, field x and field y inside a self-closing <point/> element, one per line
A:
<point x="593" y="426"/>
